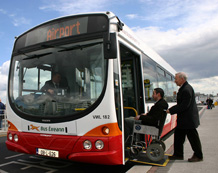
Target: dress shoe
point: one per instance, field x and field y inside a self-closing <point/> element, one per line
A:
<point x="173" y="157"/>
<point x="195" y="159"/>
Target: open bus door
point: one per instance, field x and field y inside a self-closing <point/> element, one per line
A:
<point x="132" y="85"/>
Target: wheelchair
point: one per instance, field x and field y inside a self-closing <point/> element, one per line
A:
<point x="152" y="146"/>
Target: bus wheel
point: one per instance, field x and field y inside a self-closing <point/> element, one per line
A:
<point x="155" y="152"/>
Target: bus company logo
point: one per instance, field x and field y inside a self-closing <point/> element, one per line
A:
<point x="32" y="127"/>
<point x="138" y="127"/>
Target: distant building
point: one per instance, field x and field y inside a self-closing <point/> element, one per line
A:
<point x="201" y="97"/>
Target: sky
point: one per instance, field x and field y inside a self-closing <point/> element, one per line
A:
<point x="183" y="32"/>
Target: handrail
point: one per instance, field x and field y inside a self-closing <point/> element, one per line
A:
<point x="136" y="113"/>
<point x="79" y="109"/>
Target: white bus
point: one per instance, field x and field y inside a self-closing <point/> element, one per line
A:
<point x="105" y="74"/>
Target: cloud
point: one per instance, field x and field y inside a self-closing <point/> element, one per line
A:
<point x="66" y="7"/>
<point x="184" y="34"/>
<point x="18" y="21"/>
<point x="159" y="10"/>
<point x="190" y="45"/>
<point x="4" y="79"/>
<point x="178" y="13"/>
<point x="206" y="85"/>
<point x="132" y="16"/>
<point x="3" y="11"/>
<point x="192" y="51"/>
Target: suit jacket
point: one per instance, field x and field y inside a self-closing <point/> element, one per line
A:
<point x="186" y="108"/>
<point x="50" y="85"/>
<point x="155" y="113"/>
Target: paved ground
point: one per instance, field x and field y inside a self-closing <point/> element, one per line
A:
<point x="208" y="134"/>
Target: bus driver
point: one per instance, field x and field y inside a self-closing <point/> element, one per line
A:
<point x="54" y="84"/>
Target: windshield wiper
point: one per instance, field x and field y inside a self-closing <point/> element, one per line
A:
<point x="36" y="55"/>
<point x="79" y="46"/>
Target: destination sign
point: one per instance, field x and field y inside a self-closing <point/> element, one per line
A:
<point x="62" y="28"/>
<point x="66" y="31"/>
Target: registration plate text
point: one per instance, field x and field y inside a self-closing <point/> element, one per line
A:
<point x="45" y="152"/>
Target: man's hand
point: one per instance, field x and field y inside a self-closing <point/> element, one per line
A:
<point x="51" y="91"/>
<point x="137" y="117"/>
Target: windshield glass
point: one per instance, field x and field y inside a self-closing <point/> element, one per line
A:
<point x="58" y="80"/>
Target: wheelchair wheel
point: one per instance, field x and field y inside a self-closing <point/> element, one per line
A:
<point x="139" y="146"/>
<point x="134" y="152"/>
<point x="155" y="152"/>
<point x="159" y="142"/>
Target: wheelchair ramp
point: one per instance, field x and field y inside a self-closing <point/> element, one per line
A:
<point x="143" y="159"/>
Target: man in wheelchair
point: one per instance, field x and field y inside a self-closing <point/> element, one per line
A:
<point x="155" y="118"/>
<point x="152" y="117"/>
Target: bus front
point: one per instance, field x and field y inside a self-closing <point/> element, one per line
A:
<point x="60" y="92"/>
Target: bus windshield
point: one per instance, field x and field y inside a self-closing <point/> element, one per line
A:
<point x="57" y="81"/>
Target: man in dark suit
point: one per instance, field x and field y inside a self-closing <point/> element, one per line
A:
<point x="187" y="120"/>
<point x="152" y="117"/>
<point x="54" y="84"/>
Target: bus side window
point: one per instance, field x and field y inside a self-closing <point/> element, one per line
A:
<point x="150" y="78"/>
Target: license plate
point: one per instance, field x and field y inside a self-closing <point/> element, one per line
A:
<point x="45" y="152"/>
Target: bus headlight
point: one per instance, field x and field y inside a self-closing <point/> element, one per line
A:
<point x="87" y="144"/>
<point x="99" y="144"/>
<point x="15" y="138"/>
<point x="10" y="137"/>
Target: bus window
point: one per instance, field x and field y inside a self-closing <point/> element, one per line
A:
<point x="127" y="84"/>
<point x="165" y="81"/>
<point x="162" y="81"/>
<point x="131" y="82"/>
<point x="30" y="75"/>
<point x="15" y="80"/>
<point x="150" y="78"/>
<point x="170" y="88"/>
<point x="34" y="78"/>
<point x="82" y="73"/>
<point x="117" y="92"/>
<point x="44" y="75"/>
<point x="175" y="89"/>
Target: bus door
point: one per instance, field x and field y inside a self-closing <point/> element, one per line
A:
<point x="132" y="85"/>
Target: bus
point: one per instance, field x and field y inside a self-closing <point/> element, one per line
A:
<point x="105" y="73"/>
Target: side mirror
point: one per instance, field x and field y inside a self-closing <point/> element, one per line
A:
<point x="110" y="46"/>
